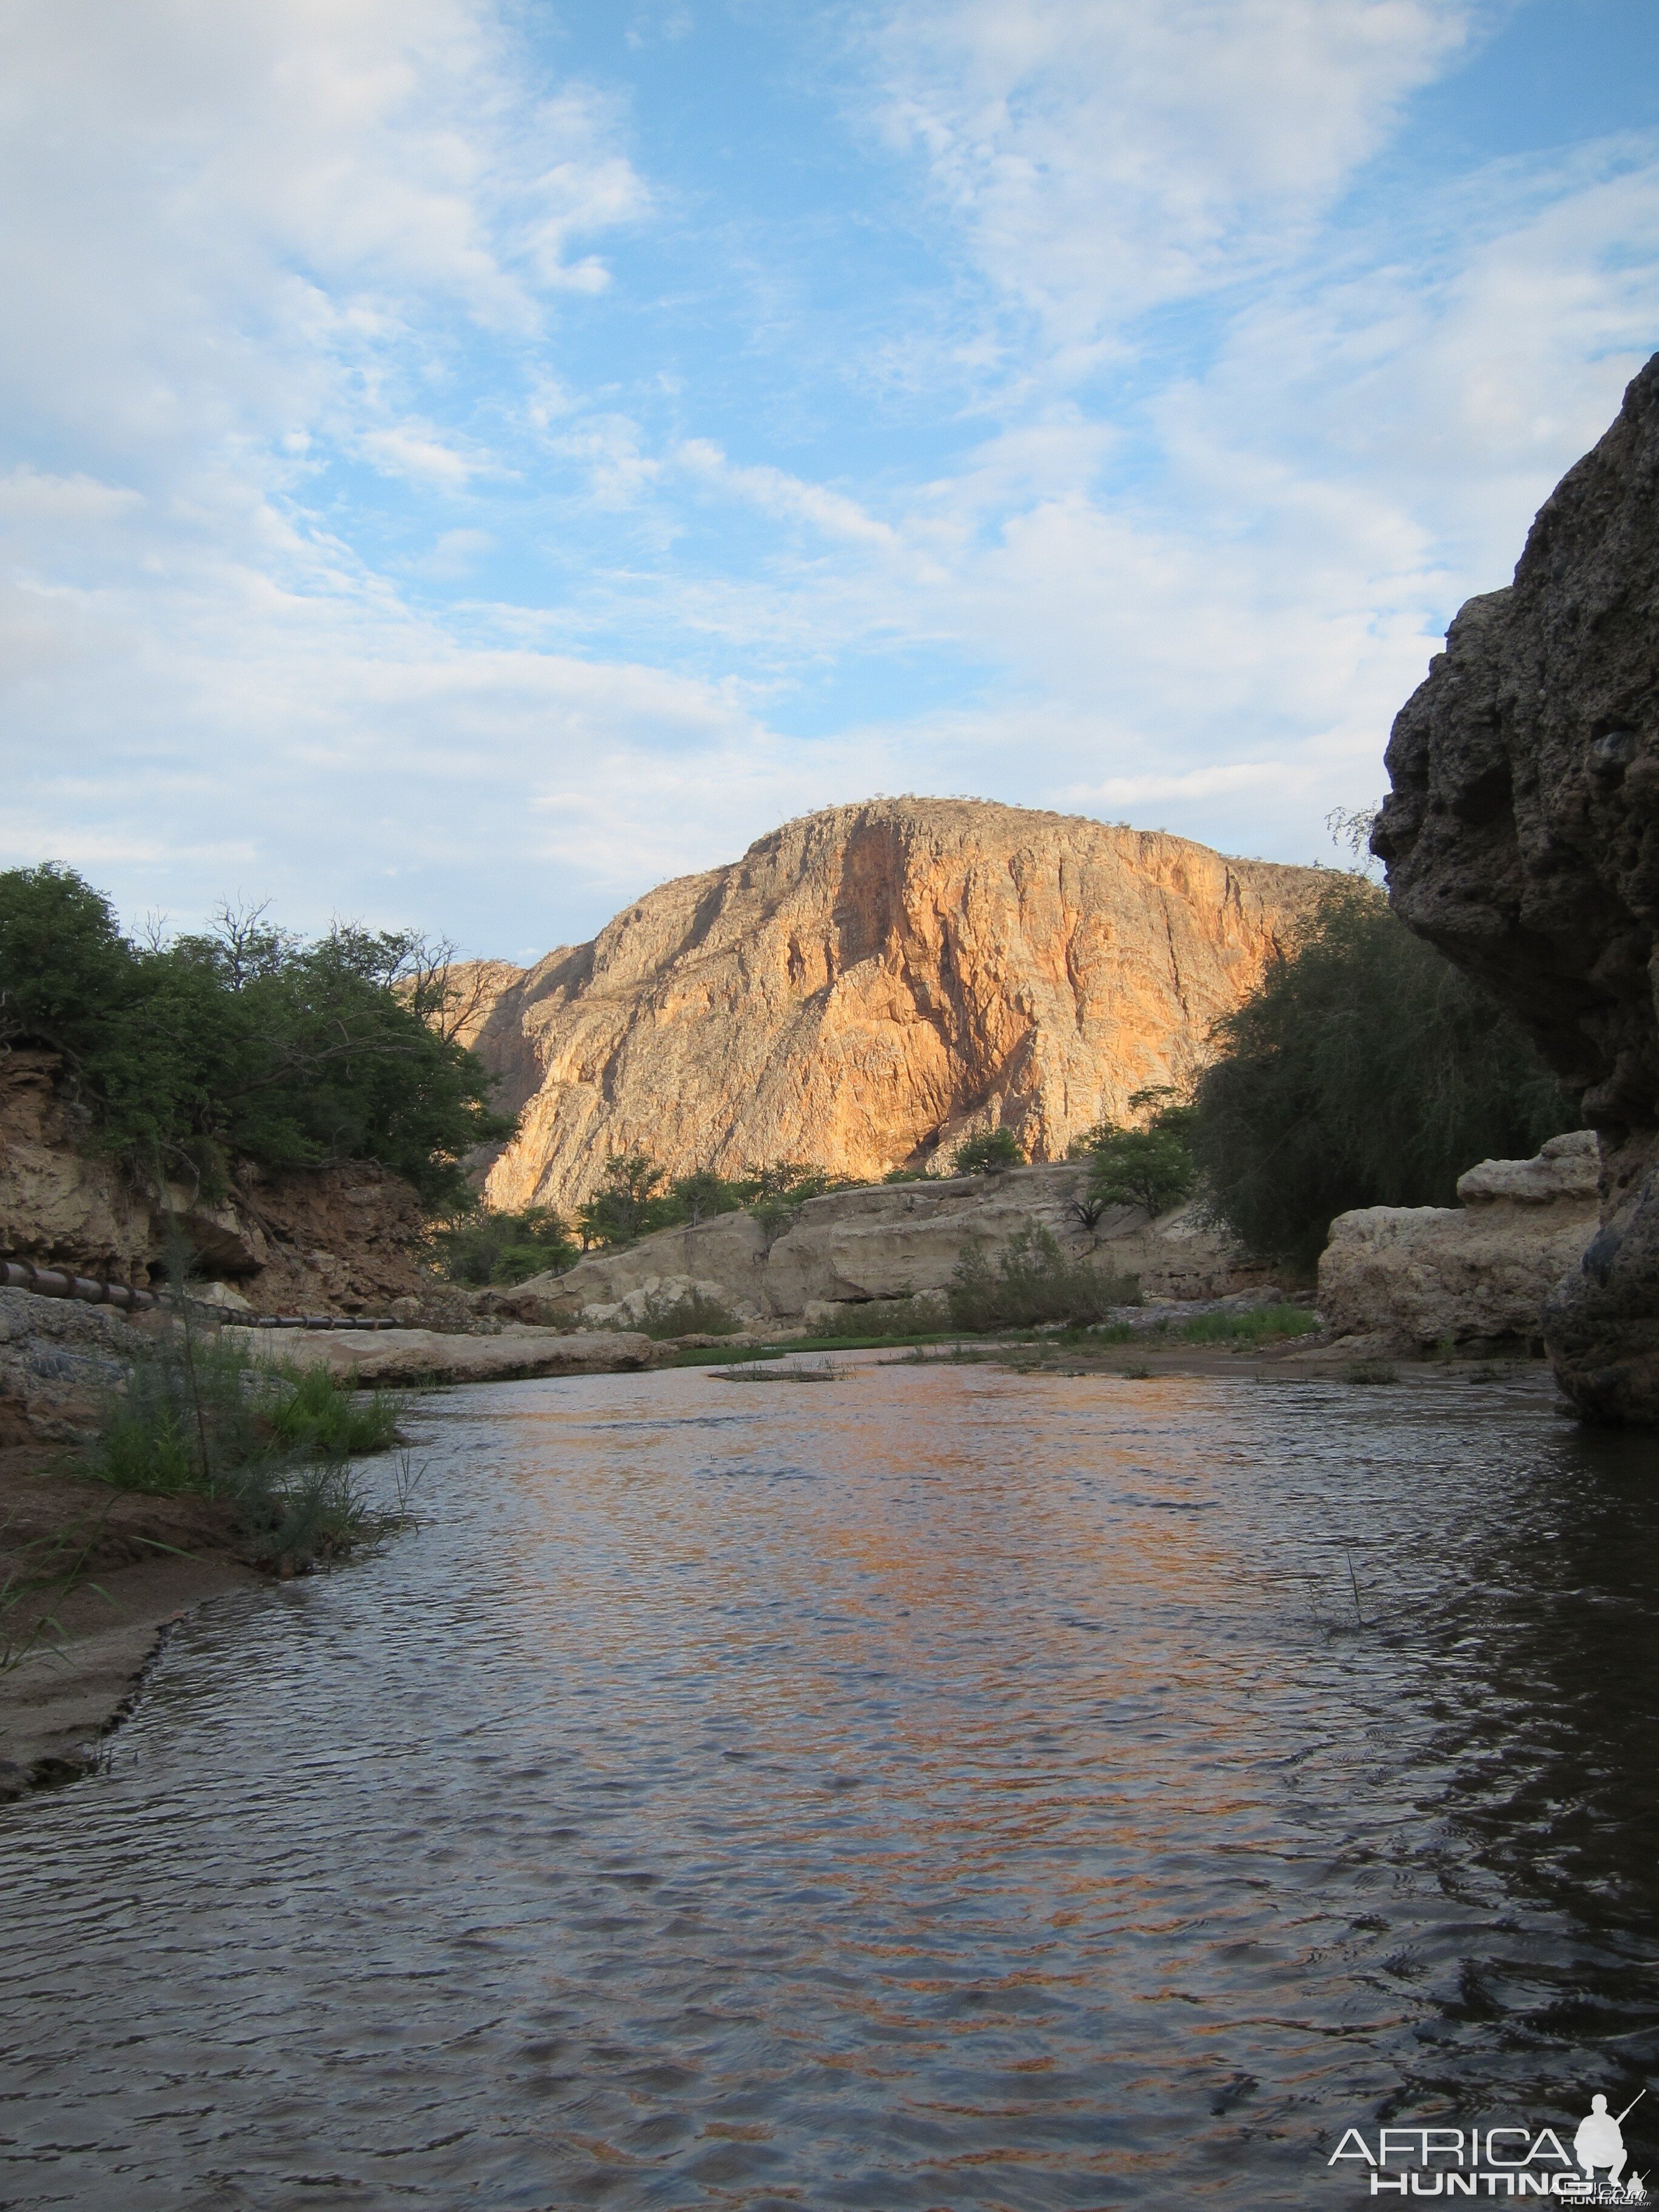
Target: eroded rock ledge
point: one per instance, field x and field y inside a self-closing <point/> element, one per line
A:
<point x="842" y="1252"/>
<point x="1522" y="837"/>
<point x="1477" y="1275"/>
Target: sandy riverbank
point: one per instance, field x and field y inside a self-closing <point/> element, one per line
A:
<point x="91" y="1579"/>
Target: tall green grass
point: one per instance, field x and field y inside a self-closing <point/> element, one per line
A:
<point x="692" y="1314"/>
<point x="275" y="1445"/>
<point x="1255" y="1325"/>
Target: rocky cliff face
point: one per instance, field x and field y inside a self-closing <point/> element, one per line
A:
<point x="866" y="986"/>
<point x="1522" y="837"/>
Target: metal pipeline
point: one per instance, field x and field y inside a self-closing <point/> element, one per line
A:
<point x="57" y="1283"/>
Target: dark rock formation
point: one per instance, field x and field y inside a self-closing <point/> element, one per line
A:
<point x="1522" y="837"/>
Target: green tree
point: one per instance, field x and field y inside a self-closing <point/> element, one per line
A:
<point x="701" y="1195"/>
<point x="1149" y="1166"/>
<point x="621" y="1209"/>
<point x="989" y="1152"/>
<point x="479" y="1247"/>
<point x="1365" y="1070"/>
<point x="245" y="1041"/>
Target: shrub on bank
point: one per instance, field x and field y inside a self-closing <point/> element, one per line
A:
<point x="691" y="1314"/>
<point x="275" y="1443"/>
<point x="1365" y="1070"/>
<point x="481" y="1248"/>
<point x="636" y="1198"/>
<point x="988" y="1153"/>
<point x="1148" y="1164"/>
<point x="1033" y="1282"/>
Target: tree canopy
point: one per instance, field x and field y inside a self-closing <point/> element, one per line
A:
<point x="1365" y="1070"/>
<point x="245" y="1041"/>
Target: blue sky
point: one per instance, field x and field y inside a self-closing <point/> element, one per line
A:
<point x="470" y="462"/>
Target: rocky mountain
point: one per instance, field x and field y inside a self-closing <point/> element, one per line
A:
<point x="1522" y="837"/>
<point x="869" y="984"/>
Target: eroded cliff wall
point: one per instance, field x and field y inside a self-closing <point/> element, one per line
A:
<point x="1522" y="837"/>
<point x="867" y="984"/>
<point x="344" y="1239"/>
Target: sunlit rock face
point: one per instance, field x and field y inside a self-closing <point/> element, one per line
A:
<point x="865" y="985"/>
<point x="1522" y="837"/>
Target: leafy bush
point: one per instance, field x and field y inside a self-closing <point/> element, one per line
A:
<point x="1033" y="1282"/>
<point x="622" y="1208"/>
<point x="636" y="1198"/>
<point x="1364" y="1071"/>
<point x="244" y="1043"/>
<point x="1151" y="1166"/>
<point x="478" y="1247"/>
<point x="318" y="1413"/>
<point x="989" y="1152"/>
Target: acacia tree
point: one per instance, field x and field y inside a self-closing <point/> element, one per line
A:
<point x="989" y="1152"/>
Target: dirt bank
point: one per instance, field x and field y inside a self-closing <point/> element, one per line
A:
<point x="91" y="1579"/>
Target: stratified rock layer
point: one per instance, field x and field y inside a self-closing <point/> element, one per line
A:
<point x="1523" y="838"/>
<point x="837" y="1253"/>
<point x="1480" y="1273"/>
<point x="867" y="984"/>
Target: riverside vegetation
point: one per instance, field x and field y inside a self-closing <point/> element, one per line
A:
<point x="1365" y="1070"/>
<point x="245" y="1043"/>
<point x="275" y="1445"/>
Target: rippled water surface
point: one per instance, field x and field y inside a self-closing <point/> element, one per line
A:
<point x="935" y="1789"/>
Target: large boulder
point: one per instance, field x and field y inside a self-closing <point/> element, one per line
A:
<point x="1522" y="837"/>
<point x="1477" y="1274"/>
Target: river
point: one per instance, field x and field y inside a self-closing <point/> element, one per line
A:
<point x="936" y="1788"/>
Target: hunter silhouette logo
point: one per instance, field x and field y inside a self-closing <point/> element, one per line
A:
<point x="1501" y="2162"/>
<point x="1601" y="2142"/>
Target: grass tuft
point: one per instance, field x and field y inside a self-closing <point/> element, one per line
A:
<point x="692" y="1314"/>
<point x="196" y="1413"/>
<point x="1254" y="1325"/>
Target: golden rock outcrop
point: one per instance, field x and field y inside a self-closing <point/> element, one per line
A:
<point x="866" y="986"/>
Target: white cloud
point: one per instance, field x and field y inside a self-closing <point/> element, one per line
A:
<point x="788" y="497"/>
<point x="418" y="450"/>
<point x="1103" y="156"/>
